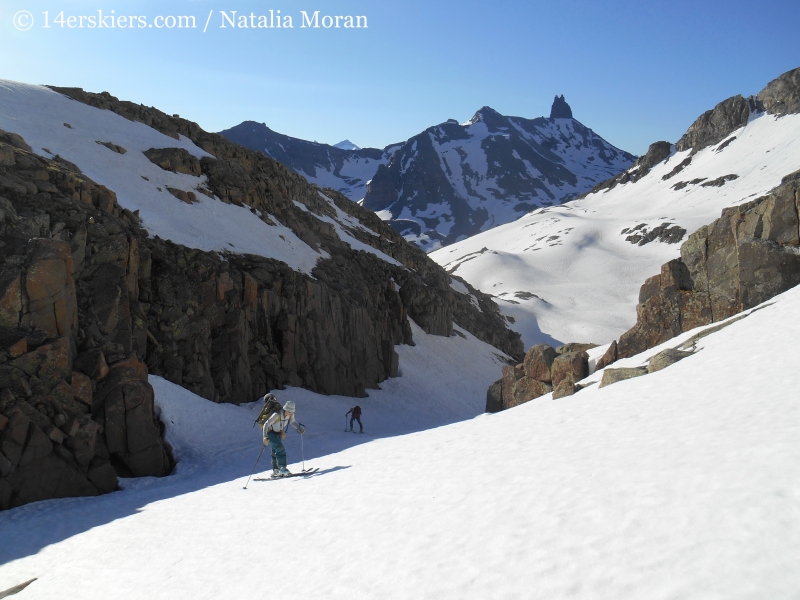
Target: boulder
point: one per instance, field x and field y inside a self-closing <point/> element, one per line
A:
<point x="614" y="375"/>
<point x="538" y="361"/>
<point x="526" y="389"/>
<point x="608" y="358"/>
<point x="574" y="365"/>
<point x="575" y="347"/>
<point x="666" y="358"/>
<point x="131" y="426"/>
<point x="510" y="376"/>
<point x="565" y="388"/>
<point x="177" y="160"/>
<point x="494" y="398"/>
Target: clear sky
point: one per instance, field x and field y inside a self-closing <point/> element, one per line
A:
<point x="634" y="71"/>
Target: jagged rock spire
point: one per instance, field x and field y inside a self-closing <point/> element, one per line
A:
<point x="560" y="109"/>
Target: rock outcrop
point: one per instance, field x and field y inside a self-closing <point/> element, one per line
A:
<point x="543" y="370"/>
<point x="75" y="405"/>
<point x="560" y="108"/>
<point x="655" y="154"/>
<point x="716" y="124"/>
<point x="782" y="95"/>
<point x="747" y="256"/>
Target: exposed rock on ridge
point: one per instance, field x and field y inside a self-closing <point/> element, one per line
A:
<point x="560" y="108"/>
<point x="781" y="96"/>
<point x="656" y="153"/>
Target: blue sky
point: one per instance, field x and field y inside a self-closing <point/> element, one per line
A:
<point x="635" y="72"/>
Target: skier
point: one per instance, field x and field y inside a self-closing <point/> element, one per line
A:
<point x="356" y="412"/>
<point x="274" y="430"/>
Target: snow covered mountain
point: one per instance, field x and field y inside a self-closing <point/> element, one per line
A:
<point x="573" y="272"/>
<point x="454" y="180"/>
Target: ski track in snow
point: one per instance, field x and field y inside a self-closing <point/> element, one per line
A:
<point x="680" y="484"/>
<point x="590" y="276"/>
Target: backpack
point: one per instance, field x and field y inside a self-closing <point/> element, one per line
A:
<point x="271" y="405"/>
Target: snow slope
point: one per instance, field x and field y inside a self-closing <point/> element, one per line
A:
<point x="566" y="273"/>
<point x="681" y="484"/>
<point x="40" y="116"/>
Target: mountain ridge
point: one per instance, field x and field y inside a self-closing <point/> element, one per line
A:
<point x="454" y="180"/>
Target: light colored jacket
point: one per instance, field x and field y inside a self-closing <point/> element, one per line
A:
<point x="279" y="421"/>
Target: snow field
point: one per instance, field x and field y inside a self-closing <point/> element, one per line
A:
<point x="575" y="258"/>
<point x="684" y="483"/>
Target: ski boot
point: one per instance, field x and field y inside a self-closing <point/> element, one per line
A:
<point x="284" y="472"/>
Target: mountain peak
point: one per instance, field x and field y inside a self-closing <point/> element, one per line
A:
<point x="560" y="109"/>
<point x="483" y="112"/>
<point x="346" y="145"/>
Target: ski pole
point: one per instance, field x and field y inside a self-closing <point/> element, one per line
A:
<point x="254" y="466"/>
<point x="302" y="452"/>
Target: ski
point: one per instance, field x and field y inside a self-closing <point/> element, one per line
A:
<point x="300" y="474"/>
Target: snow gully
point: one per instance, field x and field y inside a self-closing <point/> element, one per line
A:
<point x="274" y="20"/>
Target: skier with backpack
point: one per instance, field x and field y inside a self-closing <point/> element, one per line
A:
<point x="275" y="420"/>
<point x="356" y="412"/>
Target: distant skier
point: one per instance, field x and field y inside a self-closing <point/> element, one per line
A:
<point x="356" y="412"/>
<point x="274" y="430"/>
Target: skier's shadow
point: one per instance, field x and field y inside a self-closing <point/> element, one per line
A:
<point x="323" y="472"/>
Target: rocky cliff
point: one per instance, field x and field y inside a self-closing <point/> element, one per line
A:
<point x="90" y="304"/>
